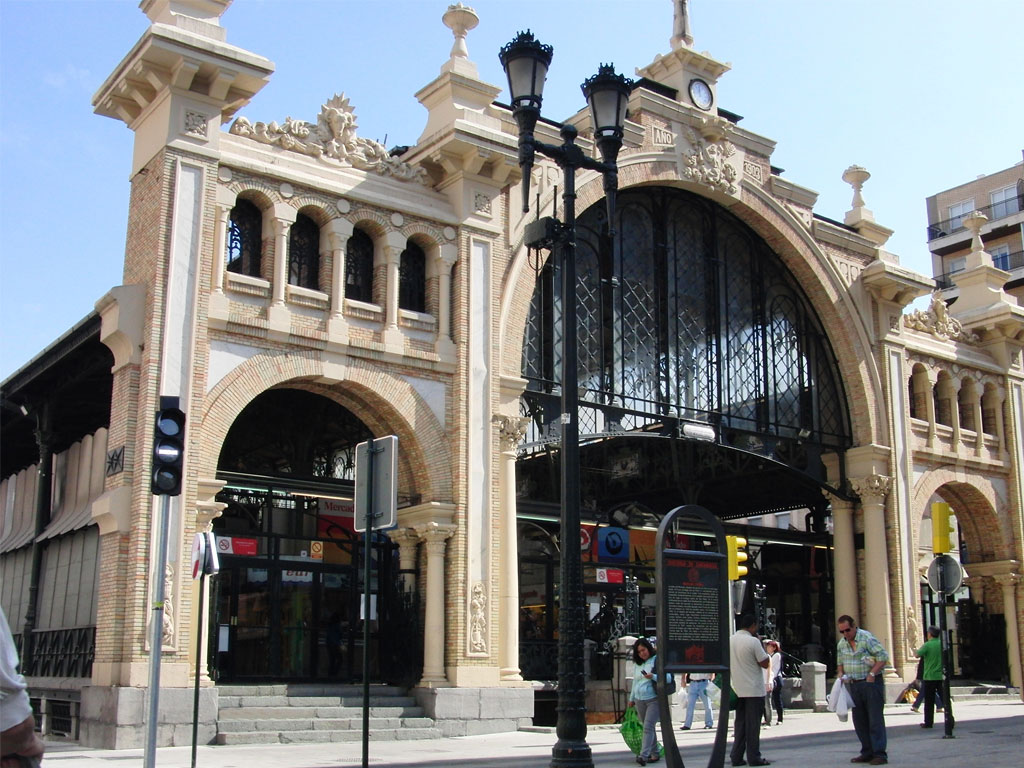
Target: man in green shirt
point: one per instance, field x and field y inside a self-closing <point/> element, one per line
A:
<point x="931" y="653"/>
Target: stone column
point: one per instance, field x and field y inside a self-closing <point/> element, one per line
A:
<point x="445" y="261"/>
<point x="845" y="557"/>
<point x="434" y="536"/>
<point x="392" y="257"/>
<point x="877" y="604"/>
<point x="281" y="229"/>
<point x="407" y="540"/>
<point x="979" y="441"/>
<point x="511" y="430"/>
<point x="220" y="247"/>
<point x="1009" y="582"/>
<point x="338" y="233"/>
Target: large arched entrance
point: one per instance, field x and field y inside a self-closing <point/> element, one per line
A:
<point x="288" y="602"/>
<point x="705" y="377"/>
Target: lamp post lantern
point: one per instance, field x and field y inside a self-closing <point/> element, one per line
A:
<point x="526" y="62"/>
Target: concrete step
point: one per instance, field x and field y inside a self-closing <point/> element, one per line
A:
<point x="325" y="736"/>
<point x="323" y="724"/>
<point x="306" y="689"/>
<point x="283" y="713"/>
<point x="236" y="702"/>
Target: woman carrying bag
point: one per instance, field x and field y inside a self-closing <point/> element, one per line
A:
<point x="645" y="698"/>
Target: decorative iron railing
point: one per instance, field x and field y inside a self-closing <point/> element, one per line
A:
<point x="1005" y="261"/>
<point x="538" y="659"/>
<point x="995" y="211"/>
<point x="67" y="652"/>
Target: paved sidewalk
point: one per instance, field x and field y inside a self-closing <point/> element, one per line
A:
<point x="988" y="735"/>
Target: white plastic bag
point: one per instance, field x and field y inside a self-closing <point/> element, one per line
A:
<point x="839" y="700"/>
<point x="715" y="694"/>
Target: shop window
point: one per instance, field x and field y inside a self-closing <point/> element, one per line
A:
<point x="245" y="239"/>
<point x="359" y="267"/>
<point x="412" y="279"/>
<point x="304" y="253"/>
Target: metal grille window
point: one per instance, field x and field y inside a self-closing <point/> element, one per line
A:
<point x="245" y="239"/>
<point x="359" y="267"/>
<point x="412" y="278"/>
<point x="304" y="253"/>
<point x="687" y="313"/>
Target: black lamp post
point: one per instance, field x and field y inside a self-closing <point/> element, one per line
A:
<point x="526" y="63"/>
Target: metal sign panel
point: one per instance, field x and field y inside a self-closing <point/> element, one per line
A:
<point x="376" y="484"/>
<point x="945" y="574"/>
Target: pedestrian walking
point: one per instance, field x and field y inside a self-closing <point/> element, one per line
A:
<point x="747" y="662"/>
<point x="697" y="688"/>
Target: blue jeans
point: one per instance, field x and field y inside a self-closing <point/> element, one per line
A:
<point x="868" y="720"/>
<point x="698" y="689"/>
<point x="649" y="712"/>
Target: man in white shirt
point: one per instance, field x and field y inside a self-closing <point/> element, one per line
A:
<point x="748" y="660"/>
<point x="17" y="726"/>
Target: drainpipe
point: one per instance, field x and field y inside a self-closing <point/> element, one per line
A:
<point x="44" y="498"/>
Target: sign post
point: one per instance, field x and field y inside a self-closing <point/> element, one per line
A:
<point x="945" y="576"/>
<point x="204" y="561"/>
<point x="376" y="508"/>
<point x="693" y="618"/>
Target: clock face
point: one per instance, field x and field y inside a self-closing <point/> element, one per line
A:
<point x="700" y="94"/>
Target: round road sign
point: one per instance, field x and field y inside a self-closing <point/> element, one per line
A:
<point x="950" y="571"/>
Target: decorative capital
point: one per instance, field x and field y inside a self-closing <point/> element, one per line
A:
<point x="872" y="489"/>
<point x="1007" y="579"/>
<point x="404" y="537"/>
<point x="434" y="535"/>
<point x="511" y="430"/>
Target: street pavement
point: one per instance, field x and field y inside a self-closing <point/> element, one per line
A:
<point x="987" y="735"/>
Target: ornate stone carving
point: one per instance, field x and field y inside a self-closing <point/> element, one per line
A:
<point x="332" y="139"/>
<point x="511" y="431"/>
<point x="754" y="171"/>
<point x="937" y="321"/>
<point x="873" y="488"/>
<point x="168" y="628"/>
<point x="195" y="124"/>
<point x="478" y="619"/>
<point x="708" y="163"/>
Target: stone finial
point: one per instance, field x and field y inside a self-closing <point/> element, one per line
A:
<point x="974" y="221"/>
<point x="855" y="176"/>
<point x="681" y="35"/>
<point x="460" y="19"/>
<point x="198" y="16"/>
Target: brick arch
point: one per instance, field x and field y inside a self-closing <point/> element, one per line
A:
<point x="386" y="403"/>
<point x="313" y="207"/>
<point x="374" y="223"/>
<point x="257" y="190"/>
<point x="804" y="259"/>
<point x="975" y="501"/>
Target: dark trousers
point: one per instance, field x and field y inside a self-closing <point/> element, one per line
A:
<point x="868" y="720"/>
<point x="932" y="691"/>
<point x="747" y="736"/>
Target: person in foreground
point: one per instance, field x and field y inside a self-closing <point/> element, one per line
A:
<point x="18" y="741"/>
<point x="861" y="658"/>
<point x="645" y="698"/>
<point x="747" y="662"/>
<point x="931" y="678"/>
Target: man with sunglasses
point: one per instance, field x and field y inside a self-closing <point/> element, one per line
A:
<point x="861" y="658"/>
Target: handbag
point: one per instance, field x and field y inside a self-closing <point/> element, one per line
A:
<point x="632" y="730"/>
<point x="670" y="684"/>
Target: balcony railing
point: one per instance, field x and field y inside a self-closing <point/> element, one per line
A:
<point x="1005" y="261"/>
<point x="995" y="211"/>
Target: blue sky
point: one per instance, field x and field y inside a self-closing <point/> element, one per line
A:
<point x="924" y="95"/>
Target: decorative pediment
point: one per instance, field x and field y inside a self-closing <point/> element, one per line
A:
<point x="708" y="162"/>
<point x="937" y="321"/>
<point x="333" y="140"/>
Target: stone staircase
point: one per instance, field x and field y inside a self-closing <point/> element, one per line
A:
<point x="282" y="714"/>
<point x="968" y="690"/>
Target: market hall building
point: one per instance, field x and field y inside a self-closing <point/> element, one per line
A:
<point x="303" y="289"/>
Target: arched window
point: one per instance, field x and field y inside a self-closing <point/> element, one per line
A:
<point x="304" y="253"/>
<point x="245" y="239"/>
<point x="965" y="400"/>
<point x="919" y="393"/>
<point x="359" y="267"/>
<point x="943" y="394"/>
<point x="412" y="278"/>
<point x="991" y="404"/>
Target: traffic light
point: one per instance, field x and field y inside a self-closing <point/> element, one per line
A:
<point x="168" y="448"/>
<point x="735" y="545"/>
<point x="941" y="528"/>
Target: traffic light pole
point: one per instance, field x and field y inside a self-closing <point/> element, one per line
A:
<point x="947" y="660"/>
<point x="156" y="638"/>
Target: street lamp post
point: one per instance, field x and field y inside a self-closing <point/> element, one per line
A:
<point x="526" y="63"/>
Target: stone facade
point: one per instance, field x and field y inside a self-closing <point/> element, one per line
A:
<point x="935" y="397"/>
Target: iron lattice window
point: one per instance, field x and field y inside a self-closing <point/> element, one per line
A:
<point x="359" y="267"/>
<point x="245" y="239"/>
<point x="304" y="253"/>
<point x="412" y="279"/>
<point x="687" y="313"/>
